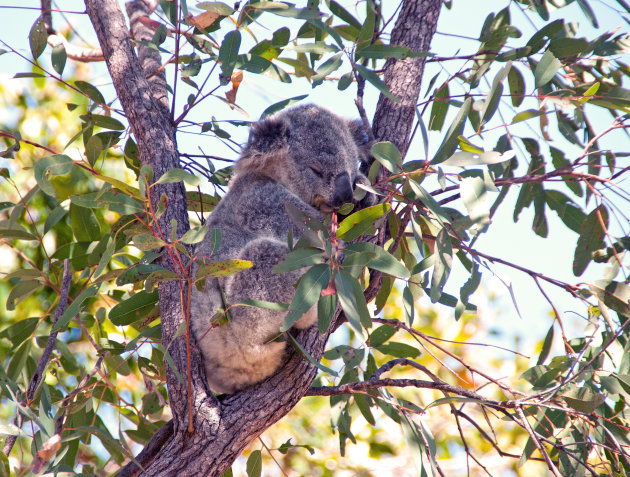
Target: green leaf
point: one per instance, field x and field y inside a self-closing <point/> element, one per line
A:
<point x="58" y="58"/>
<point x="388" y="155"/>
<point x="17" y="234"/>
<point x="90" y="91"/>
<point x="516" y="82"/>
<point x="329" y="66"/>
<point x="465" y="158"/>
<point x="307" y="293"/>
<point x="177" y="175"/>
<point x="563" y="47"/>
<point x="20" y="291"/>
<point x="546" y="69"/>
<point x="352" y="301"/>
<point x="254" y="464"/>
<point x="216" y="7"/>
<point x="614" y="295"/>
<point x="84" y="224"/>
<point x="221" y="268"/>
<point x="381" y="334"/>
<point x="569" y="213"/>
<point x="58" y="164"/>
<point x="494" y="95"/>
<point x="343" y="14"/>
<point x="443" y="264"/>
<point x="194" y="235"/>
<point x="74" y="308"/>
<point x="134" y="308"/>
<point x="451" y="140"/>
<point x="591" y="238"/>
<point x="583" y="399"/>
<point x="379" y="259"/>
<point x="104" y="121"/>
<point x="147" y="242"/>
<point x="228" y="54"/>
<point x="300" y="258"/>
<point x="378" y="83"/>
<point x="18" y="332"/>
<point x="326" y="308"/>
<point x="37" y="38"/>
<point x="302" y="352"/>
<point x="399" y="350"/>
<point x="279" y="106"/>
<point x="361" y="222"/>
<point x="439" y="108"/>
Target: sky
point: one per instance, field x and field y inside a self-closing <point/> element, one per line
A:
<point x="512" y="241"/>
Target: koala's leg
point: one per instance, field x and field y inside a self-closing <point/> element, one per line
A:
<point x="242" y="352"/>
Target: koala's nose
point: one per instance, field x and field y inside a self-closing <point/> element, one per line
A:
<point x="342" y="190"/>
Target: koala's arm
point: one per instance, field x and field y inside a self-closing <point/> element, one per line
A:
<point x="241" y="352"/>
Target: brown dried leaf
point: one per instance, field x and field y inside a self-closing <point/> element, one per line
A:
<point x="203" y="20"/>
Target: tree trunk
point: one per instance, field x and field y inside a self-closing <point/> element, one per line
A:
<point x="223" y="429"/>
<point x="414" y="29"/>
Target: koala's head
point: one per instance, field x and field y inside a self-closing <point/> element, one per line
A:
<point x="311" y="151"/>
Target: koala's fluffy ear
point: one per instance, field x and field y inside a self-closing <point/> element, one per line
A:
<point x="359" y="135"/>
<point x="268" y="135"/>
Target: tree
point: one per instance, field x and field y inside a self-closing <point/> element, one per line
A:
<point x="91" y="246"/>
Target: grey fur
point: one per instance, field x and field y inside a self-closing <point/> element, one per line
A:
<point x="306" y="156"/>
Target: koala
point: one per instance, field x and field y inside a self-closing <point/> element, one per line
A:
<point x="306" y="156"/>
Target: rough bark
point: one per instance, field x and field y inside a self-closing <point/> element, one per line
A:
<point x="223" y="429"/>
<point x="415" y="27"/>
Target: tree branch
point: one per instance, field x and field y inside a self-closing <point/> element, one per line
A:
<point x="43" y="361"/>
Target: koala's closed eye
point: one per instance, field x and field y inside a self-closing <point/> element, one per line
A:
<point x="316" y="170"/>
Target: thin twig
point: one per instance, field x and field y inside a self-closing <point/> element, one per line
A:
<point x="43" y="361"/>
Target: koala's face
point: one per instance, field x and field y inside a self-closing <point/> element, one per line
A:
<point x="311" y="151"/>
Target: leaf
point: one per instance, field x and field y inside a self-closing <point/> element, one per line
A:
<point x="19" y="331"/>
<point x="74" y="308"/>
<point x="381" y="334"/>
<point x="326" y="307"/>
<point x="58" y="58"/>
<point x="37" y="38"/>
<point x="90" y="91"/>
<point x="279" y="106"/>
<point x="583" y="399"/>
<point x="591" y="238"/>
<point x="473" y="190"/>
<point x="221" y="268"/>
<point x="254" y="464"/>
<point x="451" y="140"/>
<point x="20" y="291"/>
<point x="380" y="259"/>
<point x="361" y="222"/>
<point x="439" y="108"/>
<point x="614" y="295"/>
<point x="516" y="82"/>
<point x="546" y="69"/>
<point x="84" y="224"/>
<point x="133" y="308"/>
<point x="329" y="66"/>
<point x="465" y="158"/>
<point x="399" y="350"/>
<point x="17" y="234"/>
<point x="147" y="242"/>
<point x="307" y="293"/>
<point x="58" y="164"/>
<point x="494" y="95"/>
<point x="177" y="175"/>
<point x="302" y="352"/>
<point x="443" y="263"/>
<point x="378" y="83"/>
<point x="388" y="155"/>
<point x="228" y="54"/>
<point x="352" y="301"/>
<point x="194" y="235"/>
<point x="216" y="7"/>
<point x="299" y="258"/>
